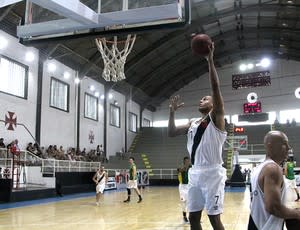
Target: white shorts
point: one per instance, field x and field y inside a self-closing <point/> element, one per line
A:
<point x="206" y="189"/>
<point x="290" y="183"/>
<point x="100" y="188"/>
<point x="183" y="191"/>
<point x="132" y="184"/>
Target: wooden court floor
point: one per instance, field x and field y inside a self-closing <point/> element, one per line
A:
<point x="159" y="210"/>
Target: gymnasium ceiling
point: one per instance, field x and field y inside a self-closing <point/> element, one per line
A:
<point x="161" y="62"/>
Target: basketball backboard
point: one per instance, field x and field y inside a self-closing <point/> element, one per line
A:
<point x="236" y="143"/>
<point x="47" y="19"/>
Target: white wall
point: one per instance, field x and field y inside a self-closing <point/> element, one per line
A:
<point x="132" y="107"/>
<point x="278" y="96"/>
<point x="115" y="135"/>
<point x="25" y="109"/>
<point x="88" y="125"/>
<point x="58" y="127"/>
<point x="148" y="115"/>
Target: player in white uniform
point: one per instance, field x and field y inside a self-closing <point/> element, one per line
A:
<point x="268" y="187"/>
<point x="206" y="136"/>
<point x="100" y="179"/>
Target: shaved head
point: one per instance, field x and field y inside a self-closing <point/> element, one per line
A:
<point x="276" y="145"/>
<point x="274" y="136"/>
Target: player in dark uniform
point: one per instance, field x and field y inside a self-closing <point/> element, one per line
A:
<point x="132" y="182"/>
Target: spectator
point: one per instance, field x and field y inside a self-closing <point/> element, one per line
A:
<point x="61" y="153"/>
<point x="294" y="123"/>
<point x="14" y="147"/>
<point x="43" y="152"/>
<point x="2" y="145"/>
<point x="30" y="148"/>
<point x="288" y="124"/>
<point x="2" y="148"/>
<point x="50" y="152"/>
<point x="37" y="149"/>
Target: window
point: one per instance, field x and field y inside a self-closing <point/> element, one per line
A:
<point x="132" y="122"/>
<point x="13" y="77"/>
<point x="90" y="107"/>
<point x="59" y="94"/>
<point x="289" y="115"/>
<point x="164" y="123"/>
<point x="114" y="115"/>
<point x="146" y="122"/>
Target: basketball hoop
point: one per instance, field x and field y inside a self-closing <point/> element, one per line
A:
<point x="114" y="56"/>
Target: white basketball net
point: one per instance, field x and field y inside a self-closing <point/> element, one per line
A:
<point x="113" y="58"/>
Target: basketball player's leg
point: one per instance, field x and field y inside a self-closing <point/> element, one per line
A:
<point x="99" y="192"/>
<point x="215" y="221"/>
<point x="183" y="189"/>
<point x="138" y="192"/>
<point x="215" y="198"/>
<point x="297" y="193"/>
<point x="128" y="195"/>
<point x="195" y="198"/>
<point x="194" y="218"/>
<point x="294" y="186"/>
<point x="97" y="198"/>
<point x="97" y="195"/>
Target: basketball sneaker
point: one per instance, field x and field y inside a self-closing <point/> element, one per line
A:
<point x="126" y="201"/>
<point x="140" y="200"/>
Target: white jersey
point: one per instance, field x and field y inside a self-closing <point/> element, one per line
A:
<point x="262" y="219"/>
<point x="98" y="177"/>
<point x="204" y="142"/>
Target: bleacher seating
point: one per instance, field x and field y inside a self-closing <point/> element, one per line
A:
<point x="162" y="151"/>
<point x="168" y="152"/>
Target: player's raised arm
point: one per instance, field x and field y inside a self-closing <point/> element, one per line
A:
<point x="218" y="104"/>
<point x="172" y="129"/>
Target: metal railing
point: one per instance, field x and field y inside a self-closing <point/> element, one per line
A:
<point x="255" y="149"/>
<point x="50" y="166"/>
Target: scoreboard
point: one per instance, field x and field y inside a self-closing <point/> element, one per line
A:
<point x="252" y="107"/>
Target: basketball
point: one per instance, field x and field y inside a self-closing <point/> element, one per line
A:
<point x="200" y="44"/>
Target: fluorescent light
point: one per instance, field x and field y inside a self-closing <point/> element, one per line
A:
<point x="3" y="43"/>
<point x="297" y="93"/>
<point x="66" y="75"/>
<point x="96" y="94"/>
<point x="243" y="67"/>
<point x="29" y="56"/>
<point x="92" y="88"/>
<point x="51" y="67"/>
<point x="265" y="62"/>
<point x="102" y="96"/>
<point x="110" y="96"/>
<point x="77" y="80"/>
<point x="250" y="66"/>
